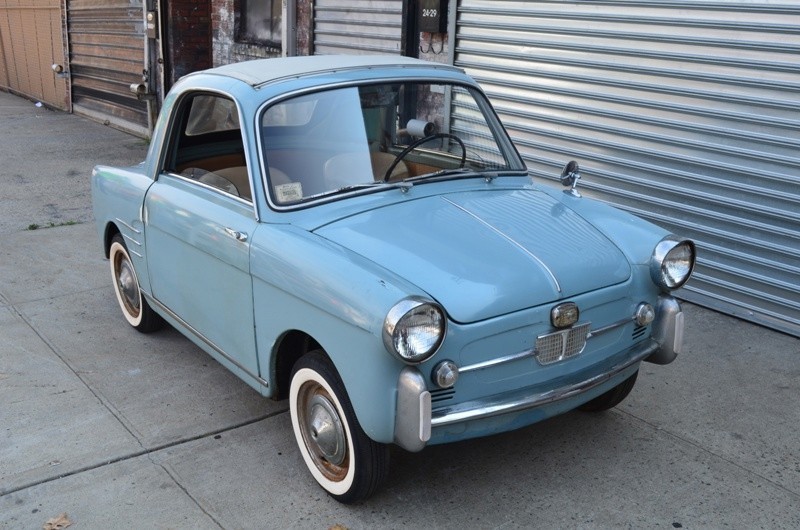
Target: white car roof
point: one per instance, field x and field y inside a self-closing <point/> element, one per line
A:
<point x="262" y="71"/>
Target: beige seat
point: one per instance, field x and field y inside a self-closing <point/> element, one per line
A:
<point x="238" y="176"/>
<point x="219" y="182"/>
<point x="348" y="169"/>
<point x="381" y="162"/>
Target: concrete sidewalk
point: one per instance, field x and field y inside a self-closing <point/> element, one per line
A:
<point x="119" y="429"/>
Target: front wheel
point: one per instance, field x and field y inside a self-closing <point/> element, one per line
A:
<point x="341" y="457"/>
<point x="612" y="398"/>
<point x="126" y="286"/>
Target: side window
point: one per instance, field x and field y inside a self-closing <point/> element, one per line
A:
<point x="207" y="146"/>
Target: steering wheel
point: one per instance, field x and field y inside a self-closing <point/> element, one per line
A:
<point x="421" y="141"/>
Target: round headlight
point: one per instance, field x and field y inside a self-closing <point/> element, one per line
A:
<point x="672" y="262"/>
<point x="414" y="329"/>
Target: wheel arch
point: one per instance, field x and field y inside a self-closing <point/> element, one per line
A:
<point x="368" y="373"/>
<point x="110" y="231"/>
<point x="292" y="345"/>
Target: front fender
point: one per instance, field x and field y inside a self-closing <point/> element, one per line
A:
<point x="304" y="282"/>
<point x="117" y="199"/>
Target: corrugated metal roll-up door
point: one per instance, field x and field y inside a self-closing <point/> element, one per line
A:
<point x="357" y="26"/>
<point x="107" y="55"/>
<point x="684" y="113"/>
<point x="31" y="45"/>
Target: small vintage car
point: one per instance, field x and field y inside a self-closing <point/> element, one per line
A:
<point x="360" y="235"/>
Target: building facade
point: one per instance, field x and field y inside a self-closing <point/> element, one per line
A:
<point x="684" y="113"/>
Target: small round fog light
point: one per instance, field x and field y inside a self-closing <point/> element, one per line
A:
<point x="645" y="314"/>
<point x="445" y="374"/>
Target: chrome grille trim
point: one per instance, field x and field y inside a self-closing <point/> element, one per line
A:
<point x="530" y="353"/>
<point x="494" y="362"/>
<point x="561" y="345"/>
<point x="610" y="327"/>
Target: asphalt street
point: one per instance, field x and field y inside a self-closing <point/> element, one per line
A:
<point x="117" y="429"/>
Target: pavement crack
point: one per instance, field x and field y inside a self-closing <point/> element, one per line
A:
<point x="100" y="398"/>
<point x="144" y="452"/>
<point x="178" y="483"/>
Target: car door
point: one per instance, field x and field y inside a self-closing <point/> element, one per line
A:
<point x="200" y="221"/>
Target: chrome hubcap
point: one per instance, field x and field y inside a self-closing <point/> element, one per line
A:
<point x="325" y="430"/>
<point x="324" y="433"/>
<point x="128" y="288"/>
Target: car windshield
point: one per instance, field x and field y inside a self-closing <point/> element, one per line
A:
<point x="361" y="138"/>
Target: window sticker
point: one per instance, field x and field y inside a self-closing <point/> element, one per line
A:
<point x="290" y="192"/>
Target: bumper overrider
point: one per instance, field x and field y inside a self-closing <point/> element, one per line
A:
<point x="414" y="417"/>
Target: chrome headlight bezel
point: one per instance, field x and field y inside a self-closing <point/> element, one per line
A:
<point x="398" y="320"/>
<point x="672" y="262"/>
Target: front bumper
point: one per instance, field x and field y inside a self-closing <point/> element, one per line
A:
<point x="414" y="417"/>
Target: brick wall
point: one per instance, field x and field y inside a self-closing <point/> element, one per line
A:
<point x="305" y="27"/>
<point x="225" y="48"/>
<point x="188" y="37"/>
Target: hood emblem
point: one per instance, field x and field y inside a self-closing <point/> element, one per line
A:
<point x="564" y="315"/>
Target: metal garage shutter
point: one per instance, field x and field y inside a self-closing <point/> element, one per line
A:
<point x="684" y="113"/>
<point x="357" y="26"/>
<point x="107" y="55"/>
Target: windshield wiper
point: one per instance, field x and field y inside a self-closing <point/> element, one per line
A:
<point x="459" y="171"/>
<point x="370" y="185"/>
<point x="465" y="172"/>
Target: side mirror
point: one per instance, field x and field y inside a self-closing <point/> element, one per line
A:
<point x="570" y="176"/>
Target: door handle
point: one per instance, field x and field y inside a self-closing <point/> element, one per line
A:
<point x="238" y="236"/>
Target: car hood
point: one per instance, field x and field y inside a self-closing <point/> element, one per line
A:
<point x="485" y="253"/>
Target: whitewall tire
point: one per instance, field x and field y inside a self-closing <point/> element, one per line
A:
<point x="339" y="455"/>
<point x="126" y="288"/>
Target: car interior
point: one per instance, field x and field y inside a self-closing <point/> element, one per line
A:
<point x="318" y="143"/>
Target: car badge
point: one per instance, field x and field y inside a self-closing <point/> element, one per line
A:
<point x="564" y="315"/>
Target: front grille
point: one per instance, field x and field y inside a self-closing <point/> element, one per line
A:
<point x="639" y="332"/>
<point x="561" y="345"/>
<point x="442" y="394"/>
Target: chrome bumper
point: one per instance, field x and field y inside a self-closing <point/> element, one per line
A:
<point x="667" y="330"/>
<point x="503" y="404"/>
<point x="414" y="417"/>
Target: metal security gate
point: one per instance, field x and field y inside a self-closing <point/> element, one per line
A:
<point x="107" y="55"/>
<point x="684" y="113"/>
<point x="32" y="50"/>
<point x="357" y="26"/>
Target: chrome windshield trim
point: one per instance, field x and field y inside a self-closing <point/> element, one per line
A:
<point x="503" y="404"/>
<point x="511" y="240"/>
<point x="205" y="340"/>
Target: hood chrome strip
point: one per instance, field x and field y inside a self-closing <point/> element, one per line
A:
<point x="505" y="236"/>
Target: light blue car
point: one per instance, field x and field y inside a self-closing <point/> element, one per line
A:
<point x="359" y="235"/>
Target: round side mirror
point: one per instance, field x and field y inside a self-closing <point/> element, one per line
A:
<point x="570" y="174"/>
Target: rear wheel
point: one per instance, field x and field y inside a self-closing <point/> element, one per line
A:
<point x="126" y="286"/>
<point x="341" y="457"/>
<point x="612" y="398"/>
